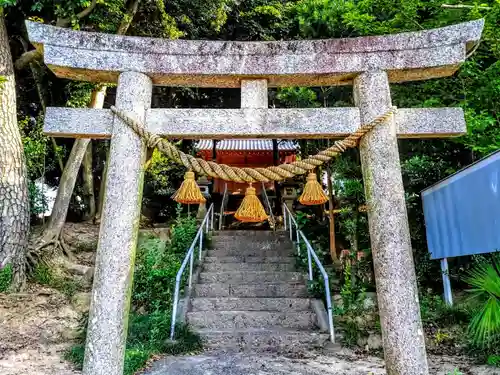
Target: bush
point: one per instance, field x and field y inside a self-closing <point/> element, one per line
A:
<point x="76" y="355"/>
<point x="183" y="232"/>
<point x="5" y="278"/>
<point x="154" y="276"/>
<point x="38" y="201"/>
<point x="45" y="276"/>
<point x="157" y="264"/>
<point x="493" y="360"/>
<point x="435" y="312"/>
<point x="484" y="327"/>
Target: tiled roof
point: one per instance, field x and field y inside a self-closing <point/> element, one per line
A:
<point x="246" y="145"/>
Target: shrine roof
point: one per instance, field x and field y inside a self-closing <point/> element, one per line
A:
<point x="199" y="63"/>
<point x="245" y="145"/>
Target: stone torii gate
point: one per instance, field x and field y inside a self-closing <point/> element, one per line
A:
<point x="367" y="63"/>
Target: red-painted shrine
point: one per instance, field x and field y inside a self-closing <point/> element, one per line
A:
<point x="249" y="153"/>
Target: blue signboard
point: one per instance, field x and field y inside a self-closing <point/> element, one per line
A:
<point x="462" y="212"/>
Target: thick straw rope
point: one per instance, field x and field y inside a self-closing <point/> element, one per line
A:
<point x="228" y="173"/>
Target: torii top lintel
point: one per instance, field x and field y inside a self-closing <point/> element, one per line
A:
<point x="408" y="56"/>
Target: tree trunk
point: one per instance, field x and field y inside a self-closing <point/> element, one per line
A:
<point x="102" y="190"/>
<point x="65" y="190"/>
<point x="69" y="176"/>
<point x="88" y="183"/>
<point x="14" y="202"/>
<point x="331" y="215"/>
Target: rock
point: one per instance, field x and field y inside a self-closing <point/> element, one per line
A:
<point x="362" y="341"/>
<point x="374" y="341"/>
<point x="81" y="302"/>
<point x="79" y="269"/>
<point x="370" y="301"/>
<point x="70" y="334"/>
<point x="360" y="321"/>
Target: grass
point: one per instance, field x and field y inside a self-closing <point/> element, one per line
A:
<point x="5" y="278"/>
<point x="149" y="323"/>
<point x="45" y="276"/>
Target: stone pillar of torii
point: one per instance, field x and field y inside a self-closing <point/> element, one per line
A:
<point x="370" y="64"/>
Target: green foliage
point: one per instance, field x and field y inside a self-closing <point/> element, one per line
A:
<point x="154" y="271"/>
<point x="351" y="333"/>
<point x="44" y="275"/>
<point x="435" y="312"/>
<point x="183" y="232"/>
<point x="455" y="372"/>
<point x="352" y="296"/>
<point x="163" y="177"/>
<point x="135" y="359"/>
<point x="156" y="267"/>
<point x="170" y="29"/>
<point x="485" y="324"/>
<point x="300" y="97"/>
<point x="35" y="151"/>
<point x="5" y="278"/>
<point x="5" y="4"/>
<point x="76" y="355"/>
<point x="493" y="360"/>
<point x="38" y="201"/>
<point x="35" y="146"/>
<point x="79" y="94"/>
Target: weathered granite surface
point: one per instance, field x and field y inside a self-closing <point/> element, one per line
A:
<point x="402" y="332"/>
<point x="254" y="94"/>
<point x="108" y="318"/>
<point x="290" y="123"/>
<point x="101" y="57"/>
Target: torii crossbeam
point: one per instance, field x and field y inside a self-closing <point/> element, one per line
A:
<point x="368" y="63"/>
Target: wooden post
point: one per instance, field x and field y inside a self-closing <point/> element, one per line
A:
<point x="331" y="215"/>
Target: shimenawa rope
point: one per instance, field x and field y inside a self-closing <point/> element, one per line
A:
<point x="229" y="173"/>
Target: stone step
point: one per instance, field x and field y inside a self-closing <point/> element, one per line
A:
<point x="248" y="259"/>
<point x="250" y="304"/>
<point x="262" y="339"/>
<point x="241" y="266"/>
<point x="250" y="319"/>
<point x="249" y="233"/>
<point x="291" y="290"/>
<point x="236" y="251"/>
<point x="249" y="277"/>
<point x="252" y="245"/>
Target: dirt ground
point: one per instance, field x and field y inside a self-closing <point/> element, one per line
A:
<point x="338" y="362"/>
<point x="35" y="330"/>
<point x="39" y="325"/>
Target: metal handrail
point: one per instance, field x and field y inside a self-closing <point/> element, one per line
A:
<point x="223" y="204"/>
<point x="208" y="223"/>
<point x="272" y="221"/>
<point x="311" y="254"/>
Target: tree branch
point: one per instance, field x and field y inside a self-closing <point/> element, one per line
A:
<point x="463" y="6"/>
<point x="88" y="10"/>
<point x="27" y="58"/>
<point x="64" y="22"/>
<point x="128" y="17"/>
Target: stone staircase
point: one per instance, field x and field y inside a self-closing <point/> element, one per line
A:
<point x="249" y="295"/>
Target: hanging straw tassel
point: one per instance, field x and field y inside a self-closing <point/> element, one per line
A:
<point x="251" y="210"/>
<point x="189" y="192"/>
<point x="313" y="192"/>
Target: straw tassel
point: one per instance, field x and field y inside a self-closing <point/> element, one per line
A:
<point x="189" y="192"/>
<point x="251" y="210"/>
<point x="313" y="192"/>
